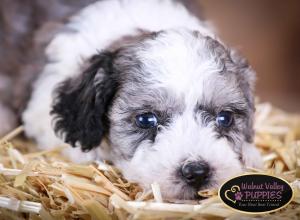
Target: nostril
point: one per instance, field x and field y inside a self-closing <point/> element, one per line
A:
<point x="195" y="173"/>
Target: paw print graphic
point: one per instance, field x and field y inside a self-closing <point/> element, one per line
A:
<point x="238" y="196"/>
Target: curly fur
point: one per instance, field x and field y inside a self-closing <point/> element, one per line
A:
<point x="121" y="58"/>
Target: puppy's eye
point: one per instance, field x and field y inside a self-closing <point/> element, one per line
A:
<point x="146" y="120"/>
<point x="225" y="119"/>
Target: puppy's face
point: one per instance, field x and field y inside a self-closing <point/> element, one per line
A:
<point x="176" y="108"/>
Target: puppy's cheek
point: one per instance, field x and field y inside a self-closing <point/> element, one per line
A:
<point x="251" y="156"/>
<point x="224" y="167"/>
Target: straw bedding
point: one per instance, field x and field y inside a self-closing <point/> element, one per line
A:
<point x="44" y="185"/>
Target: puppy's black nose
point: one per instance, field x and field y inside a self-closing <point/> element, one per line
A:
<point x="195" y="173"/>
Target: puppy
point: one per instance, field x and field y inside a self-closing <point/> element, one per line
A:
<point x="148" y="86"/>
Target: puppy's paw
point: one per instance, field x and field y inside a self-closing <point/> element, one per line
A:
<point x="76" y="155"/>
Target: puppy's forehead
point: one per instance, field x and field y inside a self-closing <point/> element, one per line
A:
<point x="189" y="65"/>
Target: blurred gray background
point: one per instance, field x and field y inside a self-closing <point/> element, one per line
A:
<point x="267" y="32"/>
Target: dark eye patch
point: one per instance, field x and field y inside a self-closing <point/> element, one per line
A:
<point x="227" y="120"/>
<point x="236" y="108"/>
<point x="144" y="123"/>
<point x="147" y="117"/>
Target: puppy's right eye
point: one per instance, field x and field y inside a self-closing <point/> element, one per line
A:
<point x="146" y="120"/>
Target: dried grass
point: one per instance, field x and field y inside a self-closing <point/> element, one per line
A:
<point x="44" y="185"/>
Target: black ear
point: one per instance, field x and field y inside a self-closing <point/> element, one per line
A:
<point x="81" y="103"/>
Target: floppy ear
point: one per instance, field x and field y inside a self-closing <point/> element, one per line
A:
<point x="81" y="103"/>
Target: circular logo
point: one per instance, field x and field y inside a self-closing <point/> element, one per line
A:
<point x="256" y="193"/>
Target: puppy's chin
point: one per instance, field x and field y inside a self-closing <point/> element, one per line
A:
<point x="181" y="192"/>
<point x="174" y="188"/>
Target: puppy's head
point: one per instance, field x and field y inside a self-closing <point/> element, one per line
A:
<point x="175" y="107"/>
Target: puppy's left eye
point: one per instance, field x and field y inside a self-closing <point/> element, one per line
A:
<point x="146" y="120"/>
<point x="225" y="119"/>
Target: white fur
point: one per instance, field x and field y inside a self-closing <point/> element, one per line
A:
<point x="93" y="29"/>
<point x="187" y="77"/>
<point x="179" y="63"/>
<point x="185" y="139"/>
